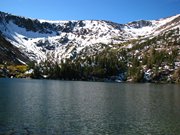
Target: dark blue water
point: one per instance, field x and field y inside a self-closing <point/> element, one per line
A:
<point x="47" y="107"/>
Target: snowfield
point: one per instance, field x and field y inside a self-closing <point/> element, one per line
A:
<point x="66" y="39"/>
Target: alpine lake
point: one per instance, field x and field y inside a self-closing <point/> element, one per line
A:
<point x="53" y="107"/>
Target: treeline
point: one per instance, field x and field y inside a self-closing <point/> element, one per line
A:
<point x="110" y="64"/>
<point x="100" y="67"/>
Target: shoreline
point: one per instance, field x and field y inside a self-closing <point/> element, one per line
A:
<point x="104" y="81"/>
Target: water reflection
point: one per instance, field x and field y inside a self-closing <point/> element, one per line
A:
<point x="78" y="108"/>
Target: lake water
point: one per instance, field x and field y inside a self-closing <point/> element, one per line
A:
<point x="48" y="107"/>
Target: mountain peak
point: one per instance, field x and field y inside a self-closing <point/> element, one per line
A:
<point x="140" y="24"/>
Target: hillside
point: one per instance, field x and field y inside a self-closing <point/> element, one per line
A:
<point x="144" y="50"/>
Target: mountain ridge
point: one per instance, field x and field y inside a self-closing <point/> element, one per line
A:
<point x="65" y="39"/>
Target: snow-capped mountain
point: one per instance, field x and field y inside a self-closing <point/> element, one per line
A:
<point x="42" y="39"/>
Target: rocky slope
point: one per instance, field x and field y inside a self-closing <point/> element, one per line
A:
<point x="10" y="54"/>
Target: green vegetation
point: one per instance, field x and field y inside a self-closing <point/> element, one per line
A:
<point x="17" y="71"/>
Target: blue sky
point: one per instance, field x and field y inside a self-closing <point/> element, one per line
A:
<point x="121" y="11"/>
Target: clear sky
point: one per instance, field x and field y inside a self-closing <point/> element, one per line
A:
<point x="121" y="11"/>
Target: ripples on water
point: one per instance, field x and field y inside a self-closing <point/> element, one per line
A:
<point x="44" y="107"/>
